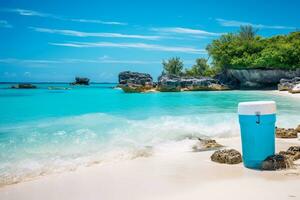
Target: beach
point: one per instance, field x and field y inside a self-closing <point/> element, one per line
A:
<point x="173" y="174"/>
<point x="137" y="146"/>
<point x="149" y="100"/>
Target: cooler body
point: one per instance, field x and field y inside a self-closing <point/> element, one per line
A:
<point x="258" y="138"/>
<point x="257" y="124"/>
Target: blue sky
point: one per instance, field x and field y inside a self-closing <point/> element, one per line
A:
<point x="53" y="40"/>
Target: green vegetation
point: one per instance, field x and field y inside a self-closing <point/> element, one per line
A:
<point x="201" y="68"/>
<point x="198" y="69"/>
<point x="173" y="66"/>
<point x="246" y="50"/>
<point x="242" y="50"/>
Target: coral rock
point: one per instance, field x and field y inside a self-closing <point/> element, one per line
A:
<point x="286" y="133"/>
<point x="298" y="128"/>
<point x="230" y="156"/>
<point x="293" y="153"/>
<point x="276" y="162"/>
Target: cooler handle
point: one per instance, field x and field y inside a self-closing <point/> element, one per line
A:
<point x="258" y="117"/>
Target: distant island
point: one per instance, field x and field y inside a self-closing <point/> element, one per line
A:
<point x="242" y="60"/>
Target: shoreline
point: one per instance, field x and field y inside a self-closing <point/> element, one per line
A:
<point x="285" y="93"/>
<point x="173" y="171"/>
<point x="180" y="174"/>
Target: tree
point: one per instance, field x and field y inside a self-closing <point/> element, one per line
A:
<point x="247" y="32"/>
<point x="173" y="66"/>
<point x="246" y="50"/>
<point x="199" y="68"/>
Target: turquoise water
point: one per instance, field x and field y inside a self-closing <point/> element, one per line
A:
<point x="44" y="131"/>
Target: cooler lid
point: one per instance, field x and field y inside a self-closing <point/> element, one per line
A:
<point x="257" y="107"/>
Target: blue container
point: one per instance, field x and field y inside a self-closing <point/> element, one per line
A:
<point x="257" y="122"/>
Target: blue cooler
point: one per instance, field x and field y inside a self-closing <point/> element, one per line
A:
<point x="257" y="122"/>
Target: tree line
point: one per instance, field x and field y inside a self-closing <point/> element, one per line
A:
<point x="242" y="50"/>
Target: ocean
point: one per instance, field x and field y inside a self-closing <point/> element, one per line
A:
<point x="47" y="131"/>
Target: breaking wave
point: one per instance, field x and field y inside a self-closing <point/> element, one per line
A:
<point x="28" y="150"/>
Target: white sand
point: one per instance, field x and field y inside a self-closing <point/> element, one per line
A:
<point x="285" y="93"/>
<point x="165" y="175"/>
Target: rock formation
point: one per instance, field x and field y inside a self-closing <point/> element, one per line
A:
<point x="298" y="128"/>
<point x="295" y="89"/>
<point x="293" y="153"/>
<point x="171" y="83"/>
<point x="276" y="162"/>
<point x="260" y="78"/>
<point x="288" y="84"/>
<point x="135" y="82"/>
<point x="24" y="86"/>
<point x="228" y="79"/>
<point x="206" y="145"/>
<point x="228" y="156"/>
<point x="81" y="81"/>
<point x="136" y="78"/>
<point x="286" y="133"/>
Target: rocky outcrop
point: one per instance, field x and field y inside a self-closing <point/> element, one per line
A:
<point x="81" y="81"/>
<point x="295" y="89"/>
<point x="286" y="133"/>
<point x="276" y="162"/>
<point x="135" y="82"/>
<point x="206" y="145"/>
<point x="230" y="156"/>
<point x="288" y="84"/>
<point x="133" y="88"/>
<point x="228" y="79"/>
<point x="261" y="78"/>
<point x="24" y="86"/>
<point x="136" y="78"/>
<point x="201" y="84"/>
<point x="292" y="153"/>
<point x="171" y="83"/>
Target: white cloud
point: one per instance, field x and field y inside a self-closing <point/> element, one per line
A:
<point x="181" y="30"/>
<point x="44" y="62"/>
<point x="91" y="34"/>
<point x="233" y="23"/>
<point x="143" y="46"/>
<point x="27" y="61"/>
<point x="5" y="24"/>
<point x="25" y="12"/>
<point x="98" y="21"/>
<point x="105" y="59"/>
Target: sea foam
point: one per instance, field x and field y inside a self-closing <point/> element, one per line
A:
<point x="54" y="145"/>
<point x="32" y="149"/>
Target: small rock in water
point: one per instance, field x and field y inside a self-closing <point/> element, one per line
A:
<point x="24" y="86"/>
<point x="286" y="133"/>
<point x="276" y="162"/>
<point x="206" y="145"/>
<point x="293" y="153"/>
<point x="228" y="156"/>
<point x="81" y="81"/>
